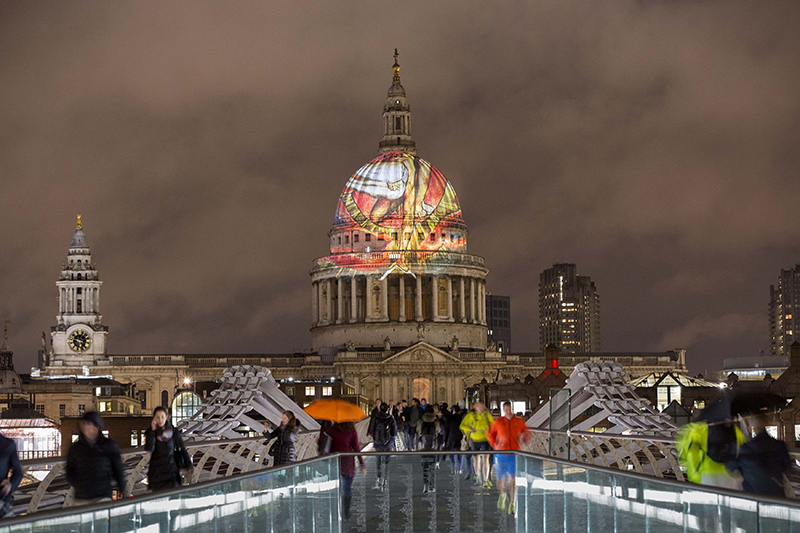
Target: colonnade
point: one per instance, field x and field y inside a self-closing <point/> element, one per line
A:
<point x="89" y="297"/>
<point x="398" y="297"/>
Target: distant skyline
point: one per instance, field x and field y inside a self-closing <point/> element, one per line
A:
<point x="653" y="144"/>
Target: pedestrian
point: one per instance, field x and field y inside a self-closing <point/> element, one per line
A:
<point x="475" y="425"/>
<point x="168" y="455"/>
<point x="453" y="437"/>
<point x="442" y="414"/>
<point x="762" y="461"/>
<point x="400" y="421"/>
<point x="93" y="461"/>
<point x="285" y="435"/>
<point x="345" y="439"/>
<point x="427" y="430"/>
<point x="9" y="464"/>
<point x="505" y="434"/>
<point x="412" y="416"/>
<point x="383" y="429"/>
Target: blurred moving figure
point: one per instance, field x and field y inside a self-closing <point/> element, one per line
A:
<point x="285" y="435"/>
<point x="93" y="462"/>
<point x="345" y="439"/>
<point x="453" y="438"/>
<point x="9" y="464"/>
<point x="427" y="430"/>
<point x="505" y="434"/>
<point x="763" y="461"/>
<point x="475" y="425"/>
<point x="168" y="453"/>
<point x="383" y="429"/>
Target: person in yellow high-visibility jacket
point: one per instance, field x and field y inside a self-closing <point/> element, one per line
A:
<point x="692" y="444"/>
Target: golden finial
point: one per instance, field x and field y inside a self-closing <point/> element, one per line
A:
<point x="80" y="226"/>
<point x="5" y="332"/>
<point x="396" y="67"/>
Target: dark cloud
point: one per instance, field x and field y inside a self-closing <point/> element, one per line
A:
<point x="652" y="143"/>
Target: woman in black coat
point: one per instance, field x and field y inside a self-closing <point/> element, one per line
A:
<point x="165" y="444"/>
<point x="285" y="435"/>
<point x="453" y="436"/>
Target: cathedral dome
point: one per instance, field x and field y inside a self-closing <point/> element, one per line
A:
<point x="403" y="203"/>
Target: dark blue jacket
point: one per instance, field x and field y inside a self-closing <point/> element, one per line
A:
<point x="9" y="462"/>
<point x="762" y="462"/>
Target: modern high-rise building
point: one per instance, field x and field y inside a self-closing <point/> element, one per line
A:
<point x="498" y="320"/>
<point x="569" y="310"/>
<point x="784" y="304"/>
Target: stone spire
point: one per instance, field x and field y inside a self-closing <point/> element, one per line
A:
<point x="396" y="117"/>
<point x="5" y="348"/>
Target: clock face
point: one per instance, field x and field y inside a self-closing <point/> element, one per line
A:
<point x="79" y="341"/>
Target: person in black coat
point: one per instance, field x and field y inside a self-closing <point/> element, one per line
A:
<point x="453" y="436"/>
<point x="9" y="464"/>
<point x="285" y="435"/>
<point x="92" y="462"/>
<point x="165" y="444"/>
<point x="762" y="461"/>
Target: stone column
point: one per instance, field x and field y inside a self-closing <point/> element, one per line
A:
<point x="402" y="292"/>
<point x="435" y="297"/>
<point x="88" y="297"/>
<point x="339" y="300"/>
<point x="314" y="304"/>
<point x="462" y="309"/>
<point x="329" y="282"/>
<point x="482" y="297"/>
<point x="368" y="296"/>
<point x="418" y="301"/>
<point x="353" y="299"/>
<point x="320" y="302"/>
<point x="449" y="298"/>
<point x="385" y="298"/>
<point x="472" y="301"/>
<point x="97" y="300"/>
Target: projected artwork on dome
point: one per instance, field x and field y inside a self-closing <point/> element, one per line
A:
<point x="398" y="193"/>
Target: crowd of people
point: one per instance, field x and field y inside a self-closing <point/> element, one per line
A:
<point x="421" y="426"/>
<point x="714" y="452"/>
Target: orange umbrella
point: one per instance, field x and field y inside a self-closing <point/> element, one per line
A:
<point x="335" y="410"/>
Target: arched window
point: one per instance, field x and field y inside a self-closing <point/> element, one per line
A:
<point x="164" y="398"/>
<point x="79" y="276"/>
<point x="185" y="405"/>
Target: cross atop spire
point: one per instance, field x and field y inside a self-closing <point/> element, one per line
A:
<point x="4" y="348"/>
<point x="80" y="225"/>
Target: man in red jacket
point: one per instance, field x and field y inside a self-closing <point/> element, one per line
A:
<point x="505" y="434"/>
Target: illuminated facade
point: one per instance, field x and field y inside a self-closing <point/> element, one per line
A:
<point x="398" y="270"/>
<point x="784" y="304"/>
<point x="569" y="310"/>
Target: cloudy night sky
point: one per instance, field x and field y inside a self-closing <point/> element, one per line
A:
<point x="654" y="144"/>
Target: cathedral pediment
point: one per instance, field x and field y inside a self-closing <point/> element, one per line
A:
<point x="422" y="353"/>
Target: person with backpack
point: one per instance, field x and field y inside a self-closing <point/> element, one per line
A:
<point x="475" y="425"/>
<point x="427" y="429"/>
<point x="383" y="429"/>
<point x="165" y="444"/>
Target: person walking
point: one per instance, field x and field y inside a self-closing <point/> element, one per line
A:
<point x="285" y="435"/>
<point x="427" y="430"/>
<point x="9" y="464"/>
<point x="412" y="415"/>
<point x="93" y="461"/>
<point x="453" y="437"/>
<point x="345" y="439"/>
<point x="505" y="434"/>
<point x="383" y="429"/>
<point x="762" y="461"/>
<point x="475" y="425"/>
<point x="168" y="455"/>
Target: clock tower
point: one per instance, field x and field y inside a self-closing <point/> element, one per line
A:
<point x="79" y="336"/>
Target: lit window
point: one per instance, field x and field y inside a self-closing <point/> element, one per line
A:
<point x="310" y="391"/>
<point x="74" y="436"/>
<point x="289" y="391"/>
<point x="327" y="391"/>
<point x="81" y="409"/>
<point x="134" y="437"/>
